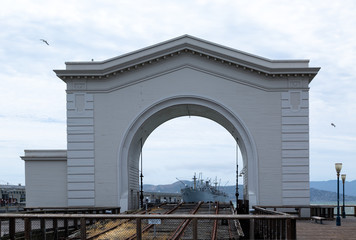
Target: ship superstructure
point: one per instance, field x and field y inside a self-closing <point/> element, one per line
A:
<point x="203" y="191"/>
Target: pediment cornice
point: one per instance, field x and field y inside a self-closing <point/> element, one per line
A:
<point x="190" y="46"/>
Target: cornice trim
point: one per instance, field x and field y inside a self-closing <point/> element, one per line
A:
<point x="186" y="45"/>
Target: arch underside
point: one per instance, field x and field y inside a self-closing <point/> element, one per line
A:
<point x="171" y="108"/>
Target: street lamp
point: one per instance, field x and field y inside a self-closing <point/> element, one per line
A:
<point x="343" y="177"/>
<point x="338" y="167"/>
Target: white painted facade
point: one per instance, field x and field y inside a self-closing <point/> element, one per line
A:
<point x="112" y="104"/>
<point x="46" y="171"/>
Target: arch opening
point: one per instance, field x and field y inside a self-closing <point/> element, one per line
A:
<point x="165" y="110"/>
<point x="182" y="146"/>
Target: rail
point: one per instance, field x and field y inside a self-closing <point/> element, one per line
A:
<point x="319" y="210"/>
<point x="274" y="228"/>
<point x="180" y="229"/>
<point x="77" y="210"/>
<point x="21" y="224"/>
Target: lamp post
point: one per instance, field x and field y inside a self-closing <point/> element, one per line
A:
<point x="343" y="177"/>
<point x="338" y="167"/>
<point x="141" y="177"/>
<point x="237" y="178"/>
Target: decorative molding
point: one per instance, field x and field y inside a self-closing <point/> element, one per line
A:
<point x="295" y="83"/>
<point x="191" y="46"/>
<point x="79" y="85"/>
<point x="278" y="73"/>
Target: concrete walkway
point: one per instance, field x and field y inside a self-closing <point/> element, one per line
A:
<point x="308" y="229"/>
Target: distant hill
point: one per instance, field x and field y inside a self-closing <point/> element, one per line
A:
<point x="319" y="196"/>
<point x="320" y="191"/>
<point x="350" y="186"/>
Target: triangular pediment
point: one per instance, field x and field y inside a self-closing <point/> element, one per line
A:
<point x="186" y="44"/>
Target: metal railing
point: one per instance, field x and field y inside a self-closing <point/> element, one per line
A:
<point x="56" y="226"/>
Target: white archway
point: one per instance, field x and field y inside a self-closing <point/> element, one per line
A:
<point x="113" y="104"/>
<point x="166" y="109"/>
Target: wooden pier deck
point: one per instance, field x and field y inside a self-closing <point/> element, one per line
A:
<point x="308" y="229"/>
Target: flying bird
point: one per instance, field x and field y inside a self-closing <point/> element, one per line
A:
<point x="44" y="41"/>
<point x="333" y="125"/>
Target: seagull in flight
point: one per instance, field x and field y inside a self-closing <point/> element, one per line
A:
<point x="332" y="124"/>
<point x="44" y="41"/>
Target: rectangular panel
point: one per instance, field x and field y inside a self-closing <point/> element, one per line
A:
<point x="295" y="161"/>
<point x="294" y="128"/>
<point x="80" y="146"/>
<point x="73" y="113"/>
<point x="295" y="153"/>
<point x="89" y="97"/>
<point x="80" y="170"/>
<point x="80" y="154"/>
<point x="295" y="169"/>
<point x="72" y="202"/>
<point x="295" y="137"/>
<point x="303" y="104"/>
<point x="286" y="95"/>
<point x="80" y="121"/>
<point x="81" y="194"/>
<point x="89" y="106"/>
<point x="80" y="186"/>
<point x="295" y="185"/>
<point x="71" y="105"/>
<point x="70" y="97"/>
<point x="80" y="162"/>
<point x="81" y="178"/>
<point x="295" y="177"/>
<point x="296" y="193"/>
<point x="295" y="120"/>
<point x="79" y="101"/>
<point x="296" y="201"/>
<point x="80" y="129"/>
<point x="80" y="138"/>
<point x="304" y="112"/>
<point x="295" y="145"/>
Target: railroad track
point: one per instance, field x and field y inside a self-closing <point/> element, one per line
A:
<point x="170" y="228"/>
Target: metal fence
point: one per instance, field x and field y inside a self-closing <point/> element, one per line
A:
<point x="144" y="226"/>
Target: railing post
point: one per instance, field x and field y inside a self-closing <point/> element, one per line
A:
<point x="27" y="228"/>
<point x="12" y="229"/>
<point x="43" y="228"/>
<point x="291" y="229"/>
<point x="252" y="228"/>
<point x="75" y="221"/>
<point x="195" y="229"/>
<point x="284" y="228"/>
<point x="91" y="219"/>
<point x="138" y="229"/>
<point x="65" y="225"/>
<point x="55" y="228"/>
<point x="83" y="229"/>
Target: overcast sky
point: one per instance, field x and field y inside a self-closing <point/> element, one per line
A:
<point x="32" y="103"/>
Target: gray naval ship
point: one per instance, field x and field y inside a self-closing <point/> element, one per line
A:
<point x="203" y="191"/>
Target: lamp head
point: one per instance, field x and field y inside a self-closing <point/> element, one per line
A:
<point x="343" y="177"/>
<point x="338" y="167"/>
